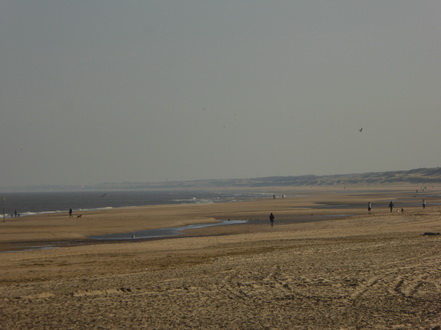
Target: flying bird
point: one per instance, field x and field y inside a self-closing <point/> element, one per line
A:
<point x="361" y="129"/>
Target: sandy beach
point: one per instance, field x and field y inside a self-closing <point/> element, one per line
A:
<point x="326" y="264"/>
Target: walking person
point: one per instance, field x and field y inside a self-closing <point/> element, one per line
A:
<point x="424" y="203"/>
<point x="391" y="206"/>
<point x="369" y="207"/>
<point x="271" y="218"/>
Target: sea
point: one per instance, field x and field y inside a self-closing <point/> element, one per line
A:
<point x="32" y="203"/>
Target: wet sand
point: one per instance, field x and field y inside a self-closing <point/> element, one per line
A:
<point x="315" y="269"/>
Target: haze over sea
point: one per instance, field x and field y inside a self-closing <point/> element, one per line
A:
<point x="29" y="203"/>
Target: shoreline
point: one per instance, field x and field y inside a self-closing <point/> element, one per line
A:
<point x="41" y="203"/>
<point x="370" y="271"/>
<point x="318" y="203"/>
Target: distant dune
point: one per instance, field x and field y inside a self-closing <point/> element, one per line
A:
<point x="420" y="176"/>
<point x="416" y="176"/>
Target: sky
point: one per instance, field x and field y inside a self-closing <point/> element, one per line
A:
<point x="95" y="91"/>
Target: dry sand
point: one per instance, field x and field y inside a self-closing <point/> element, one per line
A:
<point x="359" y="271"/>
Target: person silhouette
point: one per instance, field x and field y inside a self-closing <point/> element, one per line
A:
<point x="391" y="206"/>
<point x="271" y="218"/>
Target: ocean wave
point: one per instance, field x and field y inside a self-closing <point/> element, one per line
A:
<point x="35" y="203"/>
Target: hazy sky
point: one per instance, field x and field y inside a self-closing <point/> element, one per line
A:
<point x="98" y="91"/>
